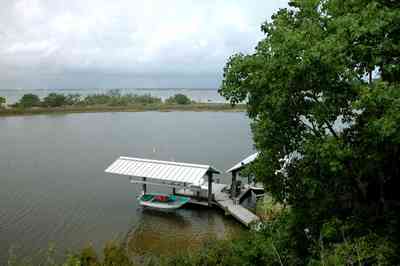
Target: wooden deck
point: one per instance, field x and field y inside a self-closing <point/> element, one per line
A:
<point x="223" y="201"/>
<point x="239" y="212"/>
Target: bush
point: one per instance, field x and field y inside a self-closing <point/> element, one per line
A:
<point x="352" y="242"/>
<point x="144" y="99"/>
<point x="366" y="250"/>
<point x="96" y="99"/>
<point x="73" y="99"/>
<point x="178" y="99"/>
<point x="113" y="255"/>
<point x="2" y="101"/>
<point x="115" y="99"/>
<point x="54" y="100"/>
<point x="29" y="100"/>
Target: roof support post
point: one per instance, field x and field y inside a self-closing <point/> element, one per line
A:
<point x="209" y="175"/>
<point x="144" y="185"/>
<point x="233" y="186"/>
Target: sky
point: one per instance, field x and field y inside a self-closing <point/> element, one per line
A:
<point x="51" y="44"/>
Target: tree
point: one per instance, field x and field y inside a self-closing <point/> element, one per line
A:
<point x="2" y="101"/>
<point x="314" y="104"/>
<point x="54" y="100"/>
<point x="73" y="99"/>
<point x="29" y="100"/>
<point x="178" y="99"/>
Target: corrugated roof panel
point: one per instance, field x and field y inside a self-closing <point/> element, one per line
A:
<point x="243" y="163"/>
<point x="161" y="170"/>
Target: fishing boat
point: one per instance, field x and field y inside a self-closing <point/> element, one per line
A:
<point x="162" y="201"/>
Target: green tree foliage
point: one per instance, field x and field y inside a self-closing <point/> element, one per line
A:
<point x="55" y="100"/>
<point x="73" y="99"/>
<point x="178" y="99"/>
<point x="114" y="98"/>
<point x="29" y="100"/>
<point x="2" y="101"/>
<point x="329" y="134"/>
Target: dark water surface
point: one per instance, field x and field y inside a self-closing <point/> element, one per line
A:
<point x="53" y="187"/>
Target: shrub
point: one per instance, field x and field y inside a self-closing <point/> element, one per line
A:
<point x="2" y="101"/>
<point x="54" y="100"/>
<point x="29" y="100"/>
<point x="88" y="257"/>
<point x="352" y="242"/>
<point x="370" y="249"/>
<point x="178" y="99"/>
<point x="145" y="99"/>
<point x="128" y="99"/>
<point x="96" y="99"/>
<point x="73" y="99"/>
<point x="115" y="255"/>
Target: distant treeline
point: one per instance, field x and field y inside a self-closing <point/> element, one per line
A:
<point x="112" y="98"/>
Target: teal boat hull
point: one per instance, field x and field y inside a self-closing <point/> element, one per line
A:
<point x="174" y="202"/>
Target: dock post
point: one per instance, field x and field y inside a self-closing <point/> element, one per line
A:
<point x="233" y="186"/>
<point x="144" y="185"/>
<point x="209" y="174"/>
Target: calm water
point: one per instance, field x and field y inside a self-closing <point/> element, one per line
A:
<point x="53" y="187"/>
<point x="198" y="95"/>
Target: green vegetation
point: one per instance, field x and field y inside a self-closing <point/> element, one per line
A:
<point x="268" y="208"/>
<point x="54" y="100"/>
<point x="114" y="98"/>
<point x="29" y="101"/>
<point x="112" y="101"/>
<point x="113" y="255"/>
<point x="314" y="70"/>
<point x="2" y="101"/>
<point x="178" y="99"/>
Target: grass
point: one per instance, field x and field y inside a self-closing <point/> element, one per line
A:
<point x="162" y="107"/>
<point x="267" y="208"/>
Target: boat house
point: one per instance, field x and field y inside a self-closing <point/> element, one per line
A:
<point x="197" y="178"/>
<point x="195" y="181"/>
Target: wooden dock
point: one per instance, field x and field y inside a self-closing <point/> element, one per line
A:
<point x="239" y="212"/>
<point x="222" y="200"/>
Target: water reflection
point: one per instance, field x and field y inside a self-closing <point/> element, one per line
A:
<point x="166" y="233"/>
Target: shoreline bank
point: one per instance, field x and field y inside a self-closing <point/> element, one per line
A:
<point x="196" y="107"/>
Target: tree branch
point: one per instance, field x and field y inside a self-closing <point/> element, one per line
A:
<point x="331" y="129"/>
<point x="328" y="125"/>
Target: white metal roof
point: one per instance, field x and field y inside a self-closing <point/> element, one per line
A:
<point x="243" y="163"/>
<point x="161" y="171"/>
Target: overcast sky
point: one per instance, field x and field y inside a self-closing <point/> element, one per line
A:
<point x="125" y="43"/>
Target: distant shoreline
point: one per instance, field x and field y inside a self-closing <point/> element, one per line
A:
<point x="194" y="107"/>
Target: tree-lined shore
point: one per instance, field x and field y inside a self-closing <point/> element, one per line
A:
<point x="31" y="104"/>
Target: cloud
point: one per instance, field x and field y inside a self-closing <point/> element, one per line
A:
<point x="142" y="43"/>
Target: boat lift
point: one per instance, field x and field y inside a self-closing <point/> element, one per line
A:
<point x="165" y="173"/>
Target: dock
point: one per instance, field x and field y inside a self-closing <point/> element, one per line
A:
<point x="239" y="212"/>
<point x="194" y="181"/>
<point x="222" y="199"/>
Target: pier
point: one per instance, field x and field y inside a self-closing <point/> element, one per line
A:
<point x="221" y="199"/>
<point x="194" y="181"/>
